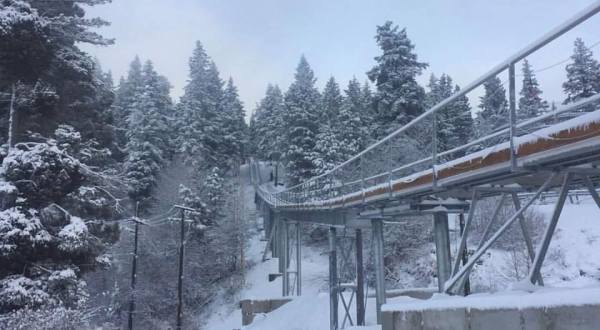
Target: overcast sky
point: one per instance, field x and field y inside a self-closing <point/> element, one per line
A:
<point x="260" y="41"/>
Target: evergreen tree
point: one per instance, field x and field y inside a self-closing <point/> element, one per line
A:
<point x="269" y="125"/>
<point x="531" y="104"/>
<point x="301" y="123"/>
<point x="233" y="124"/>
<point x="357" y="105"/>
<point x="464" y="126"/>
<point x="55" y="82"/>
<point x="331" y="102"/>
<point x="583" y="74"/>
<point x="147" y="134"/>
<point x="125" y="98"/>
<point x="199" y="112"/>
<point x="445" y="117"/>
<point x="493" y="105"/>
<point x="368" y="116"/>
<point x="399" y="97"/>
<point x="455" y="123"/>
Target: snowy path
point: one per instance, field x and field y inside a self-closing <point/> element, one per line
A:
<point x="312" y="308"/>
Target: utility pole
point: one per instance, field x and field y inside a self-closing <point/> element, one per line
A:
<point x="134" y="267"/>
<point x="180" y="278"/>
<point x="181" y="253"/>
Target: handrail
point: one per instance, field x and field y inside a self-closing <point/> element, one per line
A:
<point x="544" y="40"/>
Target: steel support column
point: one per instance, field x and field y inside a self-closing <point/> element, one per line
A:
<point x="534" y="273"/>
<point x="298" y="260"/>
<point x="442" y="247"/>
<point x="526" y="236"/>
<point x="277" y="239"/>
<point x="360" y="282"/>
<point x="463" y="239"/>
<point x="285" y="255"/>
<point x="333" y="295"/>
<point x="590" y="186"/>
<point x="465" y="257"/>
<point x="377" y="225"/>
<point x="512" y="116"/>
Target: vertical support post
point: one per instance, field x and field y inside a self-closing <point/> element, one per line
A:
<point x="442" y="247"/>
<point x="434" y="149"/>
<point x="180" y="277"/>
<point x="134" y="268"/>
<point x="298" y="260"/>
<point x="333" y="295"/>
<point x="534" y="273"/>
<point x="377" y="225"/>
<point x="465" y="257"/>
<point x="390" y="169"/>
<point x="280" y="244"/>
<point x="362" y="178"/>
<point x="267" y="223"/>
<point x="526" y="236"/>
<point x="360" y="282"/>
<point x="277" y="173"/>
<point x="285" y="255"/>
<point x="512" y="115"/>
<point x="275" y="227"/>
<point x="590" y="186"/>
<point x="465" y="235"/>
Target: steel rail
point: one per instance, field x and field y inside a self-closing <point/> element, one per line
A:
<point x="541" y="118"/>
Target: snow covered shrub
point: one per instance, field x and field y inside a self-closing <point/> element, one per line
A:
<point x="90" y="202"/>
<point x="21" y="235"/>
<point x="67" y="138"/>
<point x="66" y="288"/>
<point x="8" y="194"/>
<point x="45" y="243"/>
<point x="89" y="152"/>
<point x="74" y="236"/>
<point x="407" y="254"/>
<point x="192" y="200"/>
<point x="42" y="172"/>
<point x="46" y="318"/>
<point x="18" y="291"/>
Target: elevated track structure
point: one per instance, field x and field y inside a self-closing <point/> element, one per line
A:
<point x="410" y="173"/>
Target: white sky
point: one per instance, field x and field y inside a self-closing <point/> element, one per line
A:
<point x="260" y="41"/>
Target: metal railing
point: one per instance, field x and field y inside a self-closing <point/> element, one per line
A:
<point x="413" y="150"/>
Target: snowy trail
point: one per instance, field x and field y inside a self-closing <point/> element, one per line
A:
<point x="312" y="308"/>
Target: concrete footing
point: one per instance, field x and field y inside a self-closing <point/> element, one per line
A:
<point x="252" y="307"/>
<point x="586" y="317"/>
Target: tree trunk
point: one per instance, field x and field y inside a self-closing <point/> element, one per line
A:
<point x="12" y="121"/>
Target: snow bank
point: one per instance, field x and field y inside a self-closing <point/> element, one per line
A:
<point x="543" y="297"/>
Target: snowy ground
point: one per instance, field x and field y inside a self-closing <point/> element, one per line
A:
<point x="312" y="307"/>
<point x="573" y="259"/>
<point x="571" y="270"/>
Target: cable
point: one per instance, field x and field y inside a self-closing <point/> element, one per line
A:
<point x="560" y="62"/>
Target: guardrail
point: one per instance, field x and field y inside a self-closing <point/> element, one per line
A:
<point x="414" y="149"/>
